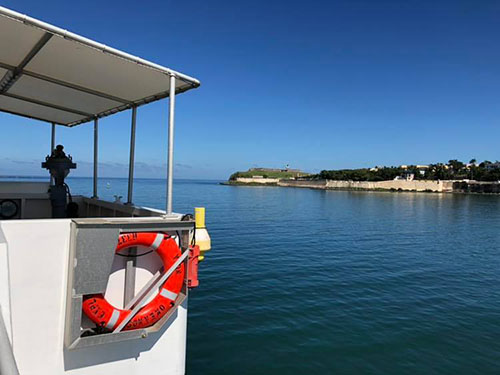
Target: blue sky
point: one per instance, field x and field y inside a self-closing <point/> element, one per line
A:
<point x="317" y="84"/>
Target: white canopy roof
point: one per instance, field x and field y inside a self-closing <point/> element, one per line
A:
<point x="56" y="76"/>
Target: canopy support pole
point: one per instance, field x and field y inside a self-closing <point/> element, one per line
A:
<point x="170" y="161"/>
<point x="52" y="138"/>
<point x="52" y="145"/>
<point x="96" y="140"/>
<point x="132" y="156"/>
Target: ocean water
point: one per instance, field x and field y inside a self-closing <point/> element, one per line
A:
<point x="327" y="282"/>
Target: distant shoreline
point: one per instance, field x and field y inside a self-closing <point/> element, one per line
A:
<point x="237" y="183"/>
<point x="424" y="186"/>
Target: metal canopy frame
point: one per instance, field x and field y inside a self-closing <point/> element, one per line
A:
<point x="110" y="101"/>
<point x="15" y="72"/>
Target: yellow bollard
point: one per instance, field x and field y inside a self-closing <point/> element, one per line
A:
<point x="201" y="237"/>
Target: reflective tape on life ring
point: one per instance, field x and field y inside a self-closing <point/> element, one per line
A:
<point x="157" y="242"/>
<point x="101" y="312"/>
<point x="114" y="319"/>
<point x="168" y="294"/>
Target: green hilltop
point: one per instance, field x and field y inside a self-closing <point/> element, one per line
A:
<point x="269" y="173"/>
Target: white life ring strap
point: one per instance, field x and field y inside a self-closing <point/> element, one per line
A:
<point x="114" y="318"/>
<point x="157" y="242"/>
<point x="168" y="294"/>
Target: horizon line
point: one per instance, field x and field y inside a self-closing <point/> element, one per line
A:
<point x="91" y="177"/>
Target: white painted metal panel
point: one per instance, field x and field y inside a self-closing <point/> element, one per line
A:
<point x="37" y="111"/>
<point x="38" y="259"/>
<point x="49" y="92"/>
<point x="85" y="66"/>
<point x="16" y="40"/>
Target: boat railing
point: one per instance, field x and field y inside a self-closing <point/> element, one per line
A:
<point x="33" y="202"/>
<point x="91" y="207"/>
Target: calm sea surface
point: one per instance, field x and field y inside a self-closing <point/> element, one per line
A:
<point x="325" y="282"/>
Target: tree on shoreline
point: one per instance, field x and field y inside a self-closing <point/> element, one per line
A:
<point x="453" y="170"/>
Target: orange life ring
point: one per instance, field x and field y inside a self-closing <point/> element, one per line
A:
<point x="101" y="312"/>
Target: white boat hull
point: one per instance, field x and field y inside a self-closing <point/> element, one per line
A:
<point x="34" y="257"/>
